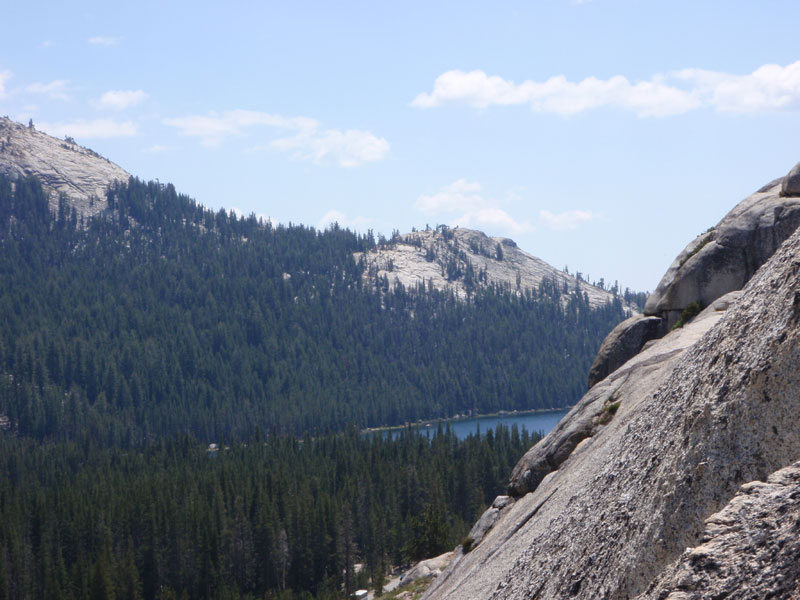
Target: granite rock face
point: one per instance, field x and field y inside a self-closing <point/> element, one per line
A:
<point x="724" y="258"/>
<point x="749" y="549"/>
<point x="672" y="435"/>
<point x="423" y="258"/>
<point x="63" y="167"/>
<point x="601" y="403"/>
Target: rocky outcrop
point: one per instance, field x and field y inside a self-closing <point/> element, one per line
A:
<point x="650" y="453"/>
<point x="750" y="549"/>
<point x="791" y="183"/>
<point x="724" y="258"/>
<point x="624" y="341"/>
<point x="462" y="260"/>
<point x="718" y="261"/>
<point x="430" y="567"/>
<point x="63" y="167"/>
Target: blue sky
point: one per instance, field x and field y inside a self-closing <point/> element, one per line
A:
<point x="601" y="134"/>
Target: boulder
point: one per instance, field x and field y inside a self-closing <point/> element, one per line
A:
<point x="623" y="343"/>
<point x="487" y="521"/>
<point x="791" y="183"/>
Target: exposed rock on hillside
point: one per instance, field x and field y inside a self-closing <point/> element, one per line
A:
<point x="462" y="260"/>
<point x="612" y="497"/>
<point x="719" y="261"/>
<point x="62" y="166"/>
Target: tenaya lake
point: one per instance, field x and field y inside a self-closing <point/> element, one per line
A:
<point x="535" y="422"/>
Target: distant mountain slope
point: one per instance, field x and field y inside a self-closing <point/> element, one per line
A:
<point x="463" y="260"/>
<point x="62" y="166"/>
<point x="160" y="316"/>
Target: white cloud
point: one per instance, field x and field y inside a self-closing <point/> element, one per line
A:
<point x="461" y="195"/>
<point x="557" y="94"/>
<point x="564" y="221"/>
<point x="155" y="149"/>
<point x="57" y="90"/>
<point x="213" y="128"/>
<point x="120" y="99"/>
<point x="98" y="128"/>
<point x="463" y="203"/>
<point x="46" y="44"/>
<point x="241" y="214"/>
<point x="349" y="148"/>
<point x="104" y="40"/>
<point x="4" y="77"/>
<point x="770" y="87"/>
<point x="336" y="216"/>
<point x="307" y="141"/>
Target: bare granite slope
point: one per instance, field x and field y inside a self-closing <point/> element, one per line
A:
<point x="63" y="166"/>
<point x="611" y="499"/>
<point x="423" y="257"/>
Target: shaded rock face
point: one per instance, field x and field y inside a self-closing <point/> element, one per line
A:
<point x="721" y="260"/>
<point x="63" y="167"/>
<point x="422" y="257"/>
<point x="624" y="341"/>
<point x="750" y="549"/>
<point x="698" y="413"/>
<point x="791" y="183"/>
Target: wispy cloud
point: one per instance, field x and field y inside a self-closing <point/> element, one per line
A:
<point x="104" y="40"/>
<point x="336" y="216"/>
<point x="241" y="214"/>
<point x="349" y="148"/>
<point x="4" y="77"/>
<point x="95" y="129"/>
<point x="770" y="87"/>
<point x="120" y="99"/>
<point x="307" y="140"/>
<point x="57" y="90"/>
<point x="46" y="44"/>
<point x="155" y="149"/>
<point x="463" y="203"/>
<point x="569" y="219"/>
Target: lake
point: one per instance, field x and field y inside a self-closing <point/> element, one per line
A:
<point x="534" y="422"/>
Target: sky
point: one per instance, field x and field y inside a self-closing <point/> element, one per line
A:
<point x="600" y="135"/>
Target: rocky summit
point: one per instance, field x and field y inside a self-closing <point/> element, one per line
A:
<point x="675" y="476"/>
<point x="461" y="260"/>
<point x="65" y="168"/>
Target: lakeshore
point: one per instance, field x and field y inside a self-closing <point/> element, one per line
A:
<point x="535" y="421"/>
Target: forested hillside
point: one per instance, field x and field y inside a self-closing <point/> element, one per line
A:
<point x="287" y="518"/>
<point x="131" y="341"/>
<point x="161" y="317"/>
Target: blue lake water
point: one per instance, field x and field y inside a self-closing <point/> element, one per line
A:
<point x="536" y="422"/>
